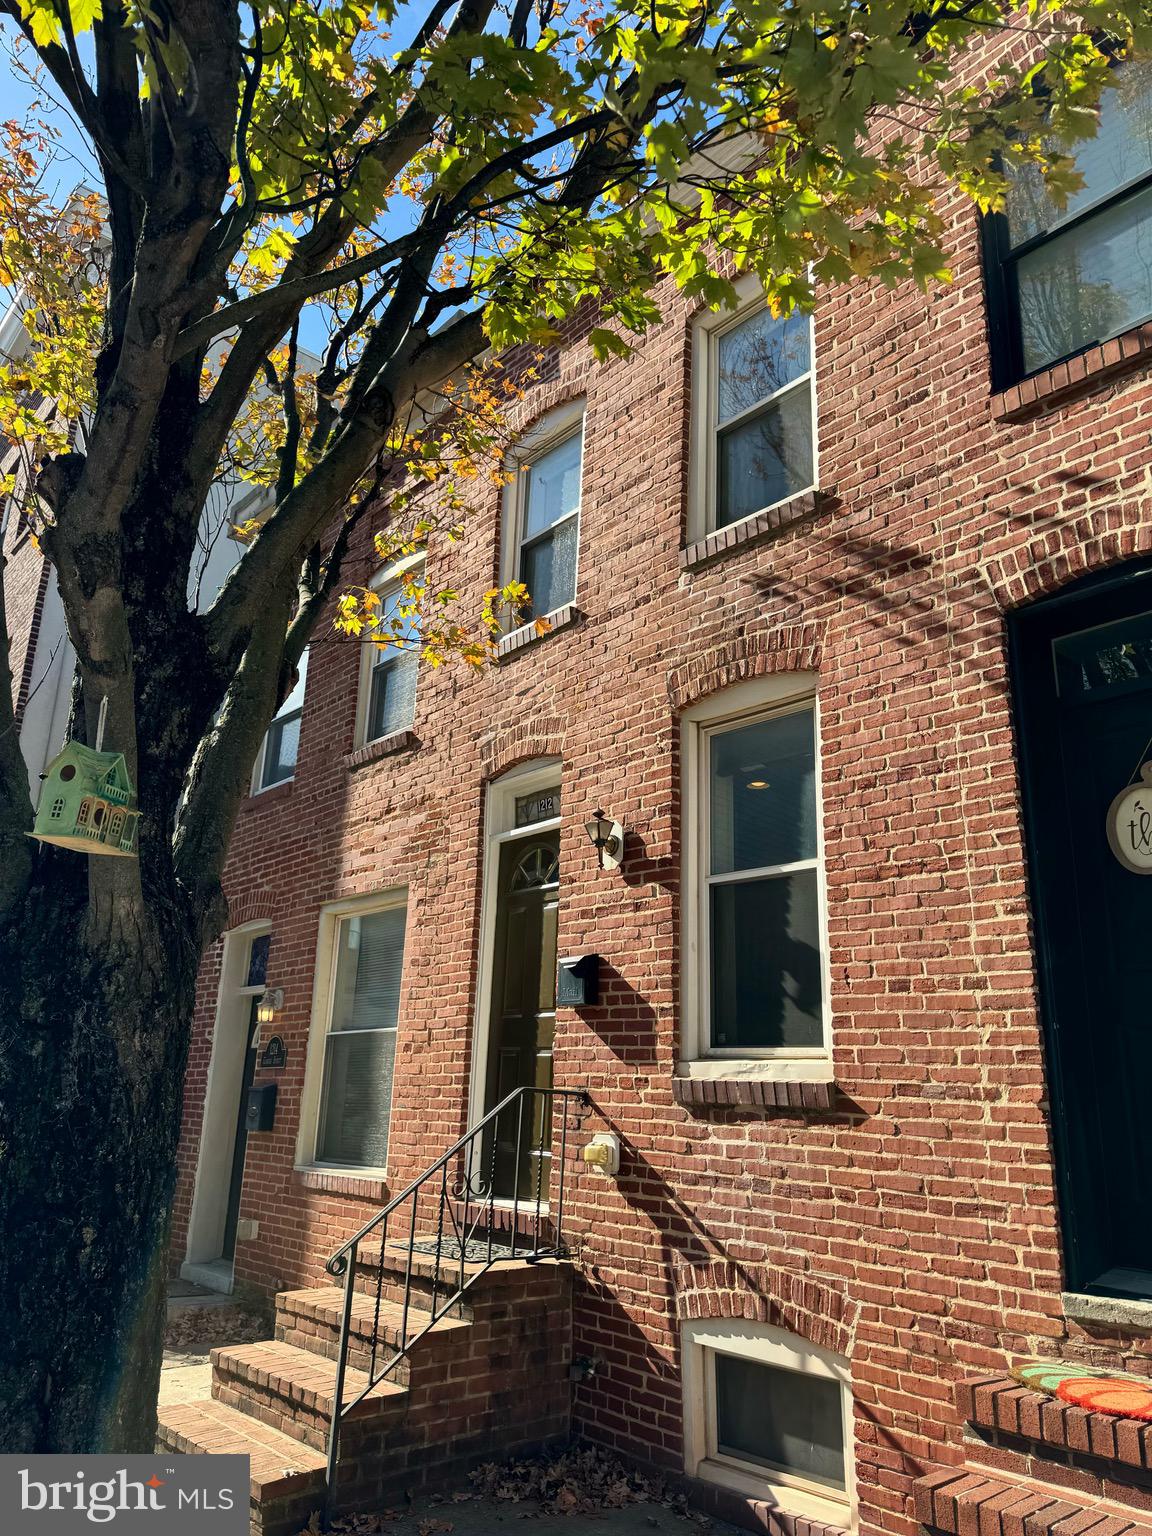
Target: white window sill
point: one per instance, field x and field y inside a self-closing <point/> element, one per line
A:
<point x="773" y="1069"/>
<point x="527" y="634"/>
<point x="792" y="1501"/>
<point x="784" y="1083"/>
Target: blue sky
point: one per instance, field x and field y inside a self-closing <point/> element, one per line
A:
<point x="19" y="97"/>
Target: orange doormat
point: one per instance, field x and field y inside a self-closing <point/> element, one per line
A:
<point x="1098" y="1391"/>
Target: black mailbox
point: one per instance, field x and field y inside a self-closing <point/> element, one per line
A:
<point x="261" y="1111"/>
<point x="578" y="981"/>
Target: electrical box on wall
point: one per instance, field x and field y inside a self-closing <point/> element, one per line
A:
<point x="578" y="981"/>
<point x="260" y="1114"/>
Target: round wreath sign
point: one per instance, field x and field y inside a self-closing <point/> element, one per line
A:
<point x="1130" y="824"/>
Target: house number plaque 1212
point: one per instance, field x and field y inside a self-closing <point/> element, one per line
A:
<point x="540" y="807"/>
<point x="1130" y="824"/>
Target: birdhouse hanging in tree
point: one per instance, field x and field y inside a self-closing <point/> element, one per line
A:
<point x="87" y="801"/>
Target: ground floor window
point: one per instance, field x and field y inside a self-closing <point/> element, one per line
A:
<point x="361" y="963"/>
<point x="753" y="978"/>
<point x="769" y="1414"/>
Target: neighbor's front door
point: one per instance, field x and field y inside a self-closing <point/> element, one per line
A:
<point x="1083" y="679"/>
<point x="523" y="1017"/>
<point x="240" y="1146"/>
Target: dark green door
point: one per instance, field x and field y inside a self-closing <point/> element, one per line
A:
<point x="240" y="1146"/>
<point x="1082" y="668"/>
<point x="524" y="1012"/>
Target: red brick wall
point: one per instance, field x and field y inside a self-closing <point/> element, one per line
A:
<point x="923" y="1200"/>
<point x="25" y="585"/>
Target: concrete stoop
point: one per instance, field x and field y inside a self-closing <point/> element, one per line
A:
<point x="488" y="1381"/>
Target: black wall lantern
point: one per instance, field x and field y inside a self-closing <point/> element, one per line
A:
<point x="607" y="837"/>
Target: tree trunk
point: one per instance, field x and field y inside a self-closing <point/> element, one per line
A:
<point x="95" y="1015"/>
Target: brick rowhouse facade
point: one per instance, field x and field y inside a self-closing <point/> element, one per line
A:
<point x="904" y="1214"/>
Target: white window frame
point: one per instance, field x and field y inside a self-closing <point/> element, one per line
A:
<point x="258" y="785"/>
<point x="701" y="1342"/>
<point x="323" y="1001"/>
<point x="385" y="582"/>
<point x="554" y="428"/>
<point x="743" y="704"/>
<point x="225" y="1071"/>
<point x="707" y="330"/>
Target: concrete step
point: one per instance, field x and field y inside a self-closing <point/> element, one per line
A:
<point x="310" y="1320"/>
<point x="292" y="1390"/>
<point x="287" y="1479"/>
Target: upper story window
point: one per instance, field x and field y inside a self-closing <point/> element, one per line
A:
<point x="276" y="763"/>
<point x="754" y="921"/>
<point x="1063" y="279"/>
<point x="754" y="406"/>
<point x="388" y="681"/>
<point x="542" y="512"/>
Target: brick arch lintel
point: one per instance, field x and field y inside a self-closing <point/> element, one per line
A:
<point x="814" y="1307"/>
<point x="1077" y="546"/>
<point x="541" y="401"/>
<point x="251" y="907"/>
<point x="790" y="648"/>
<point x="540" y="737"/>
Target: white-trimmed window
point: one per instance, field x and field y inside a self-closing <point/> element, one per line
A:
<point x="755" y="986"/>
<point x="389" y="675"/>
<point x="276" y="763"/>
<point x="352" y="1052"/>
<point x="542" y="511"/>
<point x="769" y="1414"/>
<point x="754" y="402"/>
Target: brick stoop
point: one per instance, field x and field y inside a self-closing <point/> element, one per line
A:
<point x="960" y="1502"/>
<point x="491" y="1382"/>
<point x="1035" y="1465"/>
<point x="1032" y="1435"/>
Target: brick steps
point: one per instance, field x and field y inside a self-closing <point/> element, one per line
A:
<point x="287" y="1480"/>
<point x="311" y="1320"/>
<point x="485" y="1384"/>
<point x="963" y="1502"/>
<point x="292" y="1389"/>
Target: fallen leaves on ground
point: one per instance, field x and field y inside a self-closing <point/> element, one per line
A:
<point x="581" y="1480"/>
<point x="365" y="1525"/>
<point x="203" y="1328"/>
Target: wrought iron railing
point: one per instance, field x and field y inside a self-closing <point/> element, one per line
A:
<point x="495" y="1196"/>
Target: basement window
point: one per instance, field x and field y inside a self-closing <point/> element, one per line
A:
<point x="769" y="1414"/>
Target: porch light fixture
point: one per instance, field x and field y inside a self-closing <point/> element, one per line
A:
<point x="271" y="999"/>
<point x="607" y="837"/>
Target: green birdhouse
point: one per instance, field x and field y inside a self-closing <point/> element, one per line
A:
<point x="87" y="802"/>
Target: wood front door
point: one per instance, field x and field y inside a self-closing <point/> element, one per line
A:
<point x="1082" y="668"/>
<point x="523" y="1018"/>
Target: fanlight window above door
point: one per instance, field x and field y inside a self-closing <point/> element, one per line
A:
<point x="539" y="867"/>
